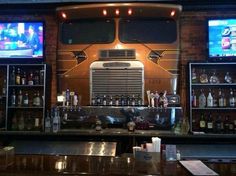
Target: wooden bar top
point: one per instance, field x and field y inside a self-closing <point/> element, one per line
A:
<point x="50" y="165"/>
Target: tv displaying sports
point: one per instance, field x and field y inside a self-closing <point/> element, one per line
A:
<point x="222" y="39"/>
<point x="21" y="40"/>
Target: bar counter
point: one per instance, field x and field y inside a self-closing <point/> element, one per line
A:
<point x="38" y="165"/>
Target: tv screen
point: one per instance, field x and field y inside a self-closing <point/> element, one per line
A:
<point x="222" y="39"/>
<point x="22" y="40"/>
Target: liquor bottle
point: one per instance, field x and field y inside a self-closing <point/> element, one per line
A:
<point x="209" y="99"/>
<point x="226" y="125"/>
<point x="194" y="99"/>
<point x="21" y="123"/>
<point x="26" y="99"/>
<point x="4" y="87"/>
<point x="75" y="100"/>
<point x="231" y="126"/>
<point x="31" y="78"/>
<point x="47" y="125"/>
<point x="140" y="100"/>
<point x="36" y="124"/>
<point x="214" y="79"/>
<point x="218" y="124"/>
<point x="13" y="98"/>
<point x="215" y="101"/>
<point x="23" y="79"/>
<point x="133" y="100"/>
<point x="128" y="102"/>
<point x="41" y="77"/>
<point x="14" y="125"/>
<point x="36" y="77"/>
<point x="18" y="76"/>
<point x="202" y="123"/>
<point x="19" y="98"/>
<point x="228" y="78"/>
<point x="220" y="98"/>
<point x="104" y="100"/>
<point x="13" y="76"/>
<point x="117" y="102"/>
<point x="122" y="100"/>
<point x="202" y="100"/>
<point x="93" y="101"/>
<point x="56" y="121"/>
<point x="110" y="103"/>
<point x="98" y="99"/>
<point x="210" y="124"/>
<point x="231" y="98"/>
<point x="194" y="76"/>
<point x="156" y="99"/>
<point x="203" y="77"/>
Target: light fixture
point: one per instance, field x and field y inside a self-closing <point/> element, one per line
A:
<point x="172" y="13"/>
<point x="130" y="12"/>
<point x="117" y="12"/>
<point x="104" y="12"/>
<point x="63" y="14"/>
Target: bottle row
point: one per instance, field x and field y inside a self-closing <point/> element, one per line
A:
<point x="26" y="121"/>
<point x="21" y="77"/>
<point x="223" y="98"/>
<point x="212" y="77"/>
<point x="217" y="124"/>
<point x="24" y="99"/>
<point x="118" y="100"/>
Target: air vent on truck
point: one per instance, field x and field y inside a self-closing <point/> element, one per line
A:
<point x="117" y="54"/>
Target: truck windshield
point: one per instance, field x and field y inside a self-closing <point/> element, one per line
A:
<point x="147" y="31"/>
<point x="87" y="31"/>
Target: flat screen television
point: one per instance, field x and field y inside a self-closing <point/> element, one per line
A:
<point x="21" y="41"/>
<point x="221" y="39"/>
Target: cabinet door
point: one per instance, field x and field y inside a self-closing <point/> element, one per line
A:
<point x="212" y="97"/>
<point x="3" y="93"/>
<point x="26" y="93"/>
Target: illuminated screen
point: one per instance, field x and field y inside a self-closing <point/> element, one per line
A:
<point x="222" y="39"/>
<point x="21" y="40"/>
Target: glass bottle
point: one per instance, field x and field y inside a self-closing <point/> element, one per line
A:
<point x="218" y="124"/>
<point x="26" y="99"/>
<point x="194" y="76"/>
<point x="13" y="76"/>
<point x="231" y="98"/>
<point x="98" y="99"/>
<point x="47" y="126"/>
<point x="203" y="77"/>
<point x="36" y="77"/>
<point x="194" y="99"/>
<point x="226" y="124"/>
<point x="31" y="78"/>
<point x="213" y="78"/>
<point x="4" y="87"/>
<point x="122" y="100"/>
<point x="110" y="101"/>
<point x="202" y="100"/>
<point x="13" y="98"/>
<point x="133" y="101"/>
<point x="202" y="123"/>
<point x="23" y="79"/>
<point x="93" y="101"/>
<point x="128" y="102"/>
<point x="220" y="98"/>
<point x="228" y="78"/>
<point x="117" y="100"/>
<point x="139" y="101"/>
<point x="209" y="99"/>
<point x="19" y="98"/>
<point x="104" y="100"/>
<point x="18" y="76"/>
<point x="21" y="123"/>
<point x="210" y="124"/>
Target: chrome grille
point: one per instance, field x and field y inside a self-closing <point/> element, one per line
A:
<point x="116" y="80"/>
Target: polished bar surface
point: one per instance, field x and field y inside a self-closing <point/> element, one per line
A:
<point x="26" y="165"/>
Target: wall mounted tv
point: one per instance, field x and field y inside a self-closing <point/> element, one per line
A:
<point x="20" y="41"/>
<point x="222" y="39"/>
